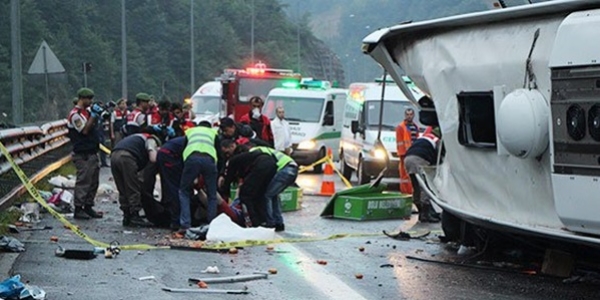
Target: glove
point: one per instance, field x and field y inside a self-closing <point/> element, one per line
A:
<point x="170" y="132"/>
<point x="157" y="128"/>
<point x="97" y="109"/>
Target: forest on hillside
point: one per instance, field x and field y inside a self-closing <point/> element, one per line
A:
<point x="342" y="24"/>
<point x="158" y="47"/>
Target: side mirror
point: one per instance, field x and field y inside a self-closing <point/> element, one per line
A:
<point x="328" y="120"/>
<point x="354" y="127"/>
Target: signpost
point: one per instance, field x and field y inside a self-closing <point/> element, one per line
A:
<point x="45" y="62"/>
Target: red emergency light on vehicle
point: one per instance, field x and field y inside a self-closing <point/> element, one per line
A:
<point x="239" y="85"/>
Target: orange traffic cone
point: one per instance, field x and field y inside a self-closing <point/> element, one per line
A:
<point x="328" y="185"/>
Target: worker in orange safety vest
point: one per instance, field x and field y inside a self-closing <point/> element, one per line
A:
<point x="406" y="133"/>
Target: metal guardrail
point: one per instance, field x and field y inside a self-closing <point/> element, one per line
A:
<point x="37" y="150"/>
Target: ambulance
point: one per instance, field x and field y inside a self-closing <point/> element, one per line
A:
<point x="357" y="151"/>
<point x="207" y="104"/>
<point x="314" y="111"/>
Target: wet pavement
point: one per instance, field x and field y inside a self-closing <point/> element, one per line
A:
<point x="386" y="271"/>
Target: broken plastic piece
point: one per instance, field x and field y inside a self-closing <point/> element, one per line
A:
<point x="75" y="254"/>
<point x="147" y="278"/>
<point x="211" y="270"/>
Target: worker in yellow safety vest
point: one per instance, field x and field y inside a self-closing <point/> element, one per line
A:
<point x="287" y="172"/>
<point x="406" y="133"/>
<point x="199" y="158"/>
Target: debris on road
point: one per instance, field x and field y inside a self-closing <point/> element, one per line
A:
<point x="233" y="250"/>
<point x="358" y="276"/>
<point x="211" y="270"/>
<point x="206" y="291"/>
<point x="75" y="254"/>
<point x="230" y="279"/>
<point x="272" y="271"/>
<point x="11" y="244"/>
<point x="322" y="262"/>
<point x="361" y="249"/>
<point x="147" y="278"/>
<point x="202" y="285"/>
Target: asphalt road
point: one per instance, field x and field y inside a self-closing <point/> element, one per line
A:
<point x="386" y="270"/>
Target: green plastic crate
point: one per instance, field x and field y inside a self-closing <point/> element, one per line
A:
<point x="291" y="198"/>
<point x="373" y="206"/>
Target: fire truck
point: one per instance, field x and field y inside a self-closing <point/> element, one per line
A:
<point x="239" y="85"/>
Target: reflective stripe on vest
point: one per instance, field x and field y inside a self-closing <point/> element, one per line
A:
<point x="282" y="159"/>
<point x="202" y="140"/>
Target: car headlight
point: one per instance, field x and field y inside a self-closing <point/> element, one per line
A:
<point x="379" y="153"/>
<point x="307" y="145"/>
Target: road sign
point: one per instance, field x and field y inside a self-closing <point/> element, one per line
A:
<point x="45" y="61"/>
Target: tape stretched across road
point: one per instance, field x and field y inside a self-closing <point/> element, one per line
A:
<point x="215" y="246"/>
<point x="36" y="195"/>
<point x="327" y="160"/>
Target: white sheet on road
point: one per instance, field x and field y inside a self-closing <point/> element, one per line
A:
<point x="222" y="229"/>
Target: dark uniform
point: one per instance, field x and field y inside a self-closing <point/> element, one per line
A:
<point x="85" y="140"/>
<point x="422" y="152"/>
<point x="128" y="158"/>
<point x="257" y="169"/>
<point x="170" y="166"/>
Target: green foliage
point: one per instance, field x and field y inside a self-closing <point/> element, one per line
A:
<point x="158" y="46"/>
<point x="343" y="24"/>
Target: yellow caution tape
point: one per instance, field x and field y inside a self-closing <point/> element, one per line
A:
<point x="36" y="195"/>
<point x="303" y="169"/>
<point x="104" y="149"/>
<point x="346" y="181"/>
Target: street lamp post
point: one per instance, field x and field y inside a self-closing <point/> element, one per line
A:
<point x="192" y="75"/>
<point x="123" y="52"/>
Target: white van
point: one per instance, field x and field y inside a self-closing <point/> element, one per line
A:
<point x="361" y="123"/>
<point x="207" y="104"/>
<point x="315" y="112"/>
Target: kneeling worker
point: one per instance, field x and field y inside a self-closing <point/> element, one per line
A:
<point x="128" y="158"/>
<point x="287" y="172"/>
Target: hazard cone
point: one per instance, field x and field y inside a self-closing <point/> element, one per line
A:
<point x="328" y="184"/>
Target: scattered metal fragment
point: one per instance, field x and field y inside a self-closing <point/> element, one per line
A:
<point x="230" y="279"/>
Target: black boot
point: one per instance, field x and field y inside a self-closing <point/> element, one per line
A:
<point x="92" y="213"/>
<point x="126" y="219"/>
<point x="425" y="214"/>
<point x="80" y="213"/>
<point x="136" y="221"/>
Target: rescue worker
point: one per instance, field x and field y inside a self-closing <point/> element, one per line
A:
<point x="423" y="152"/>
<point x="180" y="125"/>
<point x="406" y="133"/>
<point x="170" y="167"/>
<point x="188" y="114"/>
<point x="85" y="140"/>
<point x="118" y="120"/>
<point x="199" y="158"/>
<point x="136" y="120"/>
<point x="287" y="172"/>
<point x="258" y="122"/>
<point x="256" y="170"/>
<point x="128" y="158"/>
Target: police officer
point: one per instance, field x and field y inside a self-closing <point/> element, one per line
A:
<point x="85" y="139"/>
<point x="128" y="158"/>
<point x="287" y="172"/>
<point x="136" y="120"/>
<point x="118" y="120"/>
<point x="200" y="158"/>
